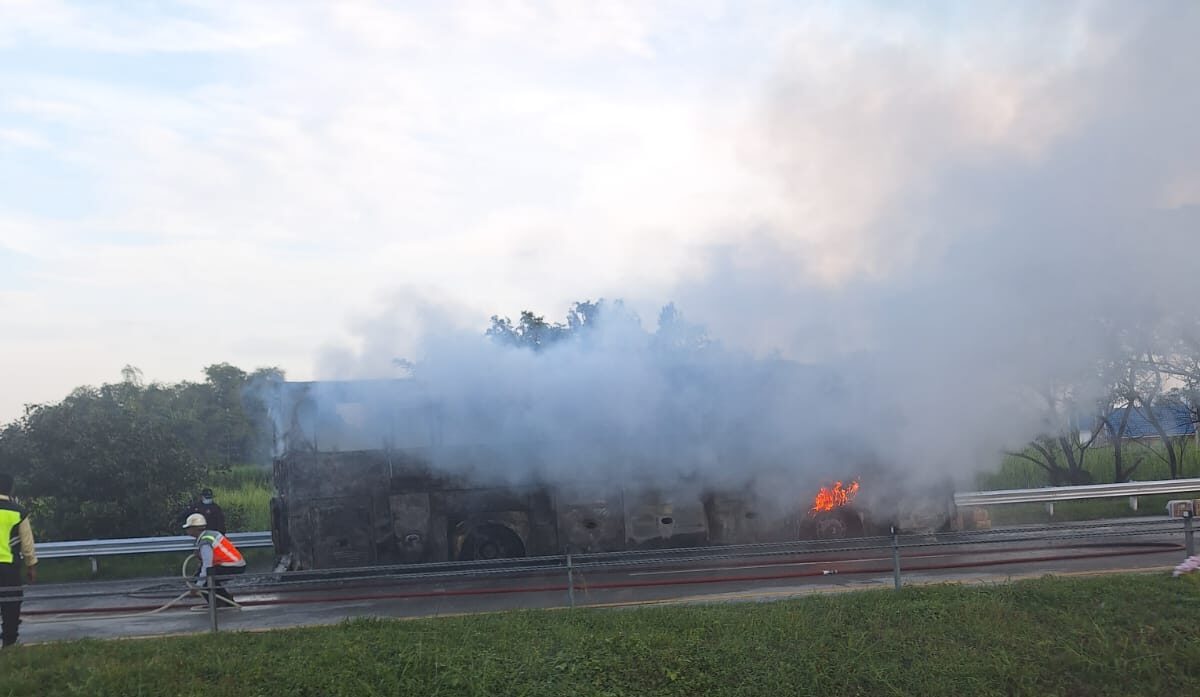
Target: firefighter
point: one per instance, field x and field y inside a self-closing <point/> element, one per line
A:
<point x="14" y="527"/>
<point x="218" y="557"/>
<point x="208" y="508"/>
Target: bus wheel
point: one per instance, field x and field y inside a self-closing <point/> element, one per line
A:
<point x="837" y="525"/>
<point x="492" y="542"/>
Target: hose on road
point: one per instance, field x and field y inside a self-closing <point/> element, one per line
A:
<point x="73" y="615"/>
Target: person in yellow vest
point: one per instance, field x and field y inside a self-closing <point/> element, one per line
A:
<point x="14" y="529"/>
<point x="218" y="557"/>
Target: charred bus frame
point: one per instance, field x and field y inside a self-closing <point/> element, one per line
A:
<point x="341" y="507"/>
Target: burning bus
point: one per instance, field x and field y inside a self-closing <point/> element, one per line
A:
<point x="364" y="475"/>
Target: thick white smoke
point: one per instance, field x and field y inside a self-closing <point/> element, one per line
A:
<point x="948" y="235"/>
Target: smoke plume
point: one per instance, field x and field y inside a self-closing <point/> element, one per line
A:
<point x="942" y="234"/>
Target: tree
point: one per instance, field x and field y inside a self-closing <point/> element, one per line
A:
<point x="533" y="332"/>
<point x="223" y="419"/>
<point x="1156" y="370"/>
<point x="122" y="459"/>
<point x="1060" y="449"/>
<point x="1189" y="397"/>
<point x="1152" y="402"/>
<point x="676" y="333"/>
<point x="1115" y="414"/>
<point x="101" y="463"/>
<point x="1115" y="426"/>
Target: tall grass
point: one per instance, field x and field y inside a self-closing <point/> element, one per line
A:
<point x="1018" y="473"/>
<point x="241" y="475"/>
<point x="244" y="492"/>
<point x="247" y="507"/>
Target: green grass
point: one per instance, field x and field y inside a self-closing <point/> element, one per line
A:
<point x="241" y="475"/>
<point x="1116" y="635"/>
<point x="247" y="507"/>
<point x="244" y="492"/>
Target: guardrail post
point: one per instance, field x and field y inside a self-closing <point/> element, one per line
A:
<point x="1189" y="535"/>
<point x="212" y="600"/>
<point x="896" y="557"/>
<point x="95" y="566"/>
<point x="570" y="580"/>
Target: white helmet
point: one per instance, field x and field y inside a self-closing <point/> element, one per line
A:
<point x="195" y="520"/>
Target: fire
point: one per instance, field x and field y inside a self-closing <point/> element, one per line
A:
<point x="831" y="497"/>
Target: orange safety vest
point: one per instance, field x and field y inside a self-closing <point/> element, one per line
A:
<point x="224" y="553"/>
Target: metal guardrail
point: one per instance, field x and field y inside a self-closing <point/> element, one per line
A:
<point x="250" y="540"/>
<point x="141" y="545"/>
<point x="775" y="562"/>
<point x="1072" y="493"/>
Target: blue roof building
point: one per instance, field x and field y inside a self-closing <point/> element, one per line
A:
<point x="1175" y="419"/>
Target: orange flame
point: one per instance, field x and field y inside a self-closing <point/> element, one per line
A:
<point x="831" y="497"/>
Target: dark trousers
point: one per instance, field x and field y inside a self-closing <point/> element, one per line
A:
<point x="10" y="601"/>
<point x="217" y="572"/>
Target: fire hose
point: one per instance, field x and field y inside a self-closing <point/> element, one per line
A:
<point x="192" y="589"/>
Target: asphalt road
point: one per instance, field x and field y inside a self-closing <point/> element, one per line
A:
<point x="126" y="609"/>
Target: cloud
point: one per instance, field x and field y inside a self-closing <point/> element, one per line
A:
<point x="441" y="152"/>
<point x="122" y="28"/>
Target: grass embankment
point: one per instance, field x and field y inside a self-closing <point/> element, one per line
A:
<point x="1116" y="635"/>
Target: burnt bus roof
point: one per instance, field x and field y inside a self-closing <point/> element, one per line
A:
<point x="349" y="415"/>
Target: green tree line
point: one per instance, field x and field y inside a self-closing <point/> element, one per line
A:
<point x="122" y="459"/>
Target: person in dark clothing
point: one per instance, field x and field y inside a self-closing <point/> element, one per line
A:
<point x="14" y="529"/>
<point x="208" y="508"/>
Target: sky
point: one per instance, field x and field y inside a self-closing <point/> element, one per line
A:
<point x="312" y="185"/>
